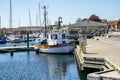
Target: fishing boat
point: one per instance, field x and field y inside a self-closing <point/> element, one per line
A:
<point x="55" y="42"/>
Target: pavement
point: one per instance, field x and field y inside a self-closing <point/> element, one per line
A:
<point x="104" y="47"/>
<point x="111" y="40"/>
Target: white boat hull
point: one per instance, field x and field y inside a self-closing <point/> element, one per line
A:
<point x="55" y="50"/>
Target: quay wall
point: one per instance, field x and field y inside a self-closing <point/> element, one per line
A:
<point x="107" y="68"/>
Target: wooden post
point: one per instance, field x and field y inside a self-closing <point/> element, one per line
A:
<point x="37" y="51"/>
<point x="11" y="53"/>
<point x="81" y="67"/>
<point x="27" y="39"/>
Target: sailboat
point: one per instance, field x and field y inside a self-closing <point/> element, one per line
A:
<point x="12" y="37"/>
<point x="55" y="42"/>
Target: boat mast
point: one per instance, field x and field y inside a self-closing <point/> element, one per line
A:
<point x="0" y="26"/>
<point x="36" y="19"/>
<point x="0" y="22"/>
<point x="10" y="21"/>
<point x="45" y="13"/>
<point x="39" y="13"/>
<point x="30" y="22"/>
<point x="19" y="22"/>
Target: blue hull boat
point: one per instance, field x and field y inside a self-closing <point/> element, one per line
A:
<point x="2" y="40"/>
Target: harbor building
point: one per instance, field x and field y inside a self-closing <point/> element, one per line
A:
<point x="22" y="29"/>
<point x="114" y="25"/>
<point x="89" y="28"/>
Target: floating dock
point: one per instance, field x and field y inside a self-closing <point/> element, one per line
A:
<point x="12" y="49"/>
<point x="102" y="55"/>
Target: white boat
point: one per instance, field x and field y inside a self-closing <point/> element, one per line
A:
<point x="14" y="39"/>
<point x="56" y="42"/>
<point x="31" y="37"/>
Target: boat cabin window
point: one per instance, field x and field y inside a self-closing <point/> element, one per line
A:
<point x="44" y="42"/>
<point x="63" y="42"/>
<point x="63" y="36"/>
<point x="55" y="36"/>
<point x="49" y="36"/>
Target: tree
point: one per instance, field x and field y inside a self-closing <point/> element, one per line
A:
<point x="94" y="18"/>
<point x="63" y="26"/>
<point x="78" y="20"/>
<point x="84" y="19"/>
<point x="56" y="22"/>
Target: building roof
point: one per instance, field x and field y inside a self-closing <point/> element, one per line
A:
<point x="88" y="23"/>
<point x="115" y="22"/>
<point x="24" y="28"/>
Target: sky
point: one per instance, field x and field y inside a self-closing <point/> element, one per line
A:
<point x="69" y="10"/>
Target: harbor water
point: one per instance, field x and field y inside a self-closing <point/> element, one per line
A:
<point x="32" y="66"/>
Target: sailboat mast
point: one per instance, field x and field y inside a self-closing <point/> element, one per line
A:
<point x="10" y="21"/>
<point x="30" y="22"/>
<point x="39" y="14"/>
<point x="0" y="22"/>
<point x="19" y="22"/>
<point x="45" y="13"/>
<point x="36" y="19"/>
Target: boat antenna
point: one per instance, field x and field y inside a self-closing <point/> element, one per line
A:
<point x="10" y="21"/>
<point x="45" y="13"/>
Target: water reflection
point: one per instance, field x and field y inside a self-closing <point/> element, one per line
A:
<point x="58" y="65"/>
<point x="29" y="66"/>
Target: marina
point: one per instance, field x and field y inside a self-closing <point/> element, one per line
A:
<point x="55" y="46"/>
<point x="106" y="65"/>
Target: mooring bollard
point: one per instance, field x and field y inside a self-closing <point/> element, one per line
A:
<point x="83" y="44"/>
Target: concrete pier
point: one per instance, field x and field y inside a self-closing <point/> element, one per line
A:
<point x="102" y="53"/>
